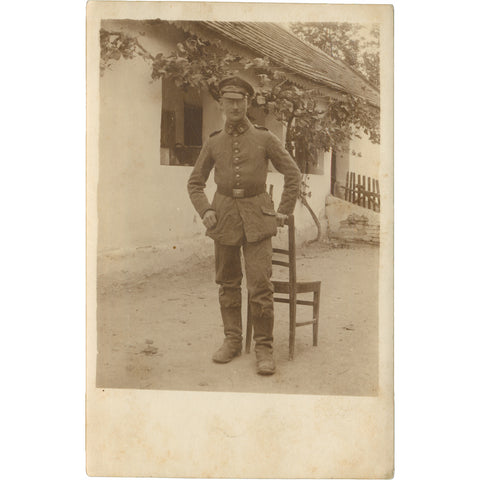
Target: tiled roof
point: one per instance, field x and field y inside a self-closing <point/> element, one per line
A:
<point x="293" y="54"/>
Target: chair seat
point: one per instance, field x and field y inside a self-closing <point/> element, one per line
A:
<point x="281" y="286"/>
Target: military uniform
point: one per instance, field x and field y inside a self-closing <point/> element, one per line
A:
<point x="246" y="219"/>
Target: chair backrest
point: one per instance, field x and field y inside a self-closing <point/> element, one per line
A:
<point x="290" y="253"/>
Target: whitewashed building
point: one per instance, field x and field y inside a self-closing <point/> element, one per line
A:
<point x="150" y="133"/>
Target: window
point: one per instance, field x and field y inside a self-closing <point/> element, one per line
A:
<point x="167" y="133"/>
<point x="192" y="125"/>
<point x="181" y="128"/>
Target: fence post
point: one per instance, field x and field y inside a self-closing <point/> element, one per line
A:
<point x="359" y="190"/>
<point x="353" y="187"/>
<point x="378" y="192"/>
<point x="369" y="193"/>
<point x="363" y="188"/>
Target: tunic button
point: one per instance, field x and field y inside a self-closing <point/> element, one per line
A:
<point x="235" y="143"/>
<point x="237" y="159"/>
<point x="237" y="175"/>
<point x="237" y="168"/>
<point x="236" y="150"/>
<point x="235" y="134"/>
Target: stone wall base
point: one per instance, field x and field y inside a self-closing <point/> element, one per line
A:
<point x="350" y="223"/>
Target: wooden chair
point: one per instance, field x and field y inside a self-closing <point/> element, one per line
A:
<point x="291" y="288"/>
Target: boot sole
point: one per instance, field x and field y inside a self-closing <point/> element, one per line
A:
<point x="265" y="372"/>
<point x="227" y="361"/>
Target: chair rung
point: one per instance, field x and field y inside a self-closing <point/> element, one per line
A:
<point x="301" y="287"/>
<point x="307" y="287"/>
<point x="281" y="250"/>
<point x="305" y="302"/>
<point x="281" y="286"/>
<point x="301" y="324"/>
<point x="279" y="262"/>
<point x="298" y="302"/>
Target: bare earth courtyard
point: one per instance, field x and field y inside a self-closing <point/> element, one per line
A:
<point x="160" y="332"/>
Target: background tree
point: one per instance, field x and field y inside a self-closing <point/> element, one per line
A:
<point x="355" y="44"/>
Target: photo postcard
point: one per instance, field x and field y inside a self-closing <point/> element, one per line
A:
<point x="239" y="240"/>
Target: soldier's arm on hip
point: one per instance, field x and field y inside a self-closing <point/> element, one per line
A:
<point x="209" y="218"/>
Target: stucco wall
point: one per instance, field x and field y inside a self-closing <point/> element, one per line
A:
<point x="129" y="156"/>
<point x="364" y="157"/>
<point x="172" y="234"/>
<point x="130" y="203"/>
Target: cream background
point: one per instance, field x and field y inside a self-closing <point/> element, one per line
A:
<point x="236" y="435"/>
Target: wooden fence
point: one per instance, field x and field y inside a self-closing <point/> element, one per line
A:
<point x="362" y="191"/>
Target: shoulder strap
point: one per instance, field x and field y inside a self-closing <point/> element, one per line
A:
<point x="215" y="133"/>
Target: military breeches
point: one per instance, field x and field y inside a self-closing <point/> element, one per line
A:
<point x="258" y="270"/>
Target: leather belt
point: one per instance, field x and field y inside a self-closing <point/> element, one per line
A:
<point x="241" y="192"/>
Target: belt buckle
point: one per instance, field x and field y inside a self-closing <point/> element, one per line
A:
<point x="238" y="192"/>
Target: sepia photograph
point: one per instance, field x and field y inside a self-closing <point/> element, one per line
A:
<point x="240" y="199"/>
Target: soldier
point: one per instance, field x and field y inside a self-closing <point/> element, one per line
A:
<point x="242" y="215"/>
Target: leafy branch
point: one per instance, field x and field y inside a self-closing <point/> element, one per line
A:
<point x="115" y="45"/>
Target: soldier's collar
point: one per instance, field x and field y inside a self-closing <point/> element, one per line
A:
<point x="238" y="128"/>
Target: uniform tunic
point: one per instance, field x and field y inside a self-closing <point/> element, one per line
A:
<point x="239" y="155"/>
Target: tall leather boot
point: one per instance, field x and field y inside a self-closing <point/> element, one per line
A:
<point x="232" y="327"/>
<point x="263" y="336"/>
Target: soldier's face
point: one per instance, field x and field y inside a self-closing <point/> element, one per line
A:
<point x="234" y="109"/>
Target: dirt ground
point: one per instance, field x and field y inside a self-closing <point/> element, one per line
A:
<point x="160" y="332"/>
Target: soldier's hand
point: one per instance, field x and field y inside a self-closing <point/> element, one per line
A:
<point x="281" y="219"/>
<point x="209" y="219"/>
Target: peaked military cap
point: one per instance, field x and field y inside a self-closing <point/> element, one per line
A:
<point x="235" y="88"/>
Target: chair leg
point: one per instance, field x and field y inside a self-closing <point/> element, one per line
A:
<point x="248" y="336"/>
<point x="316" y="315"/>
